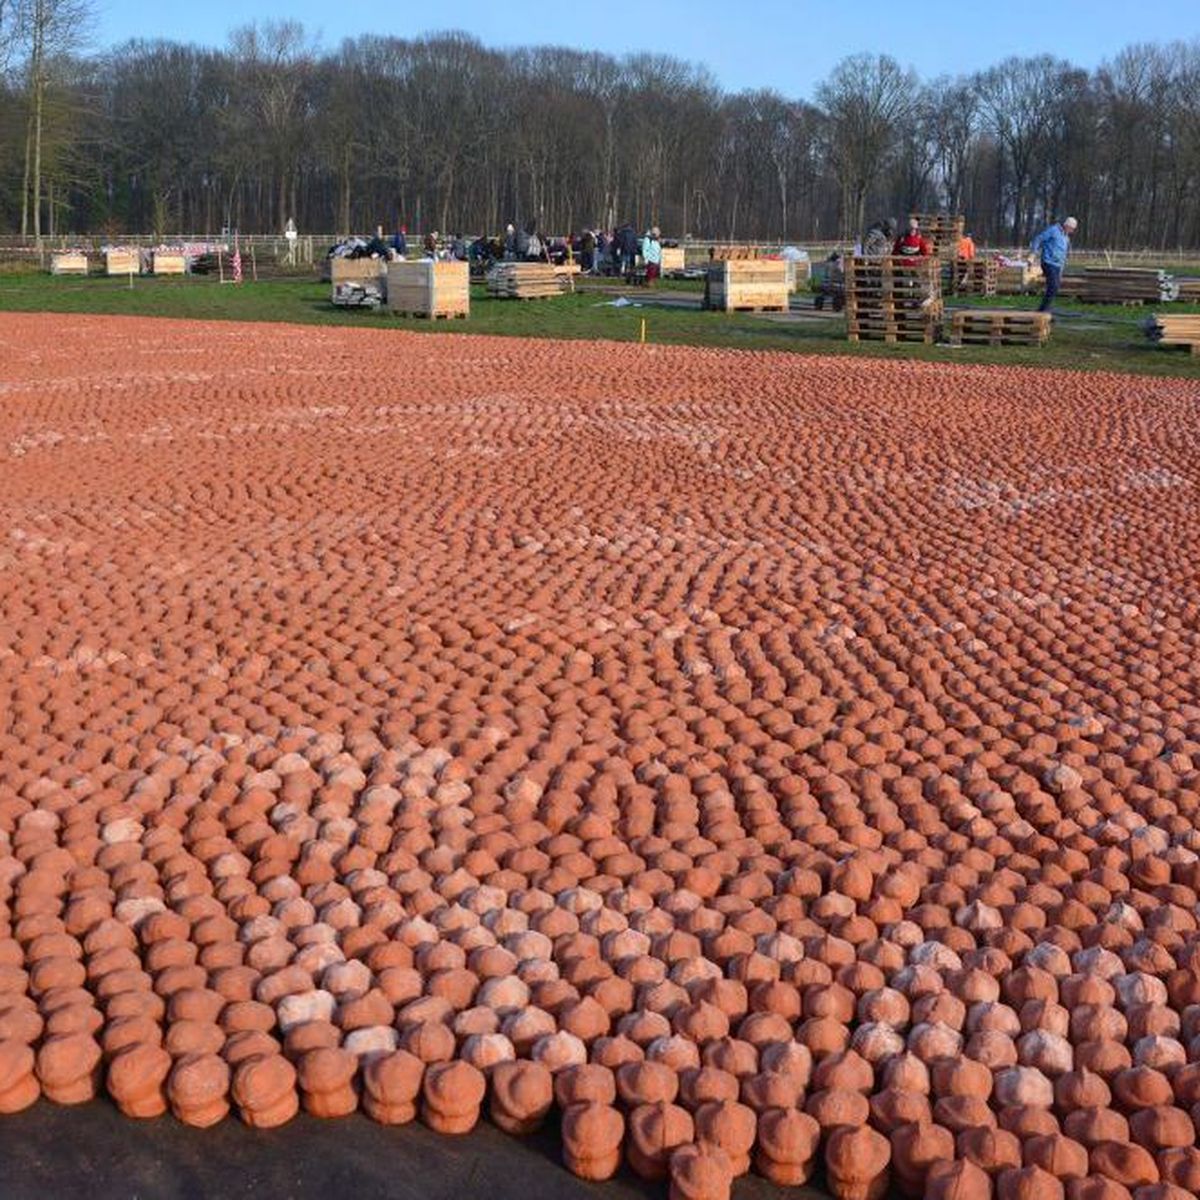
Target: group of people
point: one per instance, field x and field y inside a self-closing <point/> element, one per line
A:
<point x="618" y="252"/>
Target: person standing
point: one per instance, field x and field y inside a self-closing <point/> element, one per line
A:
<point x="1053" y="245"/>
<point x="400" y="241"/>
<point x="652" y="255"/>
<point x="587" y="252"/>
<point x="628" y="238"/>
<point x="912" y="244"/>
<point x="878" y="242"/>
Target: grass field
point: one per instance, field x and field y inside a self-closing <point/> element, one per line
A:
<point x="1086" y="337"/>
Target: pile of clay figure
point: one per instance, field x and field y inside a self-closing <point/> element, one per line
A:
<point x="749" y="765"/>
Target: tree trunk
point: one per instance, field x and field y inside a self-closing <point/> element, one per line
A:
<point x="38" y="99"/>
<point x="25" y="177"/>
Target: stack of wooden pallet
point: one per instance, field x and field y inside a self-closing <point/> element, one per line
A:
<point x="524" y="281"/>
<point x="1120" y="285"/>
<point x="893" y="300"/>
<point x="974" y="278"/>
<point x="429" y="289"/>
<point x="943" y="231"/>
<point x="1189" y="290"/>
<point x="747" y="285"/>
<point x="999" y="327"/>
<point x="1176" y="330"/>
<point x="733" y="253"/>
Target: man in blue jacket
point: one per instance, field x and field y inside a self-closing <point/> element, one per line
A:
<point x="1053" y="244"/>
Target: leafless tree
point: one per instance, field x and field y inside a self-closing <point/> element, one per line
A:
<point x="867" y="99"/>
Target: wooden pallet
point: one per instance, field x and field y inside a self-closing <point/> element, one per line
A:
<point x="429" y="289"/>
<point x="999" y="327"/>
<point x="943" y="230"/>
<point x="755" y="285"/>
<point x="524" y="281"/>
<point x="927" y="335"/>
<point x="974" y="278"/>
<point x="1176" y="329"/>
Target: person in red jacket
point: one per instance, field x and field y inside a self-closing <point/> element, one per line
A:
<point x="911" y="244"/>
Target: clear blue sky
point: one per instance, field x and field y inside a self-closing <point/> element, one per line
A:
<point x="785" y="44"/>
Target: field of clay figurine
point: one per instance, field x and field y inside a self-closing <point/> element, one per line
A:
<point x="742" y="764"/>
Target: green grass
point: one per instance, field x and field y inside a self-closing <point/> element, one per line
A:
<point x="1089" y="337"/>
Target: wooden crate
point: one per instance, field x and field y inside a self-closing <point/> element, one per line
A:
<point x="1018" y="280"/>
<point x="750" y="285"/>
<point x="355" y="270"/>
<point x="524" y="281"/>
<point x="429" y="289"/>
<point x="999" y="327"/>
<point x="673" y="260"/>
<point x="122" y="262"/>
<point x="69" y="262"/>
<point x="1177" y="329"/>
<point x="168" y="262"/>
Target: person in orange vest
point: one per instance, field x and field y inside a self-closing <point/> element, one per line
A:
<point x="966" y="248"/>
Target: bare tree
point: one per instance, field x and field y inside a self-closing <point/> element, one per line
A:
<point x="49" y="30"/>
<point x="866" y="99"/>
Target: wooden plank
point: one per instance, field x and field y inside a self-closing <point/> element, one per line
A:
<point x="524" y="281"/>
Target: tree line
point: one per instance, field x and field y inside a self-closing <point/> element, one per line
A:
<point x="442" y="132"/>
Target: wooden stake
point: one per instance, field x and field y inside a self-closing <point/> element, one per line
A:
<point x="643" y="331"/>
<point x="220" y="267"/>
<point x="253" y="263"/>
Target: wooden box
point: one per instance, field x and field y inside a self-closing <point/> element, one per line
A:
<point x="168" y="262"/>
<point x="1016" y="281"/>
<point x="751" y="285"/>
<point x="358" y="270"/>
<point x="69" y="262"/>
<point x="673" y="260"/>
<point x="122" y="262"/>
<point x="429" y="289"/>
